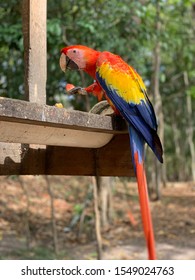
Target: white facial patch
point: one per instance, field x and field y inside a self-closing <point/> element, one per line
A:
<point x="77" y="56"/>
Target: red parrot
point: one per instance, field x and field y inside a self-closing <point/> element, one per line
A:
<point x="126" y="93"/>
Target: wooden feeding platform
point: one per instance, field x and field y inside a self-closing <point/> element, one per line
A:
<point x="72" y="142"/>
<point x="40" y="139"/>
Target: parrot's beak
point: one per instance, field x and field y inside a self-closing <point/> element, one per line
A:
<point x="67" y="63"/>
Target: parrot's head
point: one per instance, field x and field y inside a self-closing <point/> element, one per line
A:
<point x="79" y="58"/>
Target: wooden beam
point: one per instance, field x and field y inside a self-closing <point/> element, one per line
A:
<point x="17" y="111"/>
<point x="32" y="123"/>
<point x="14" y="132"/>
<point x="114" y="159"/>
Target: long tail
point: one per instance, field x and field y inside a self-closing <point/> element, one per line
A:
<point x="137" y="150"/>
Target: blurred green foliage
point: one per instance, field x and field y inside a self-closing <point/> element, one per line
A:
<point x="127" y="28"/>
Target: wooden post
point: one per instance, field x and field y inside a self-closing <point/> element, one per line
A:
<point x="35" y="53"/>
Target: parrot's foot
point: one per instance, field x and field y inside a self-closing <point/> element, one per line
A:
<point x="59" y="105"/>
<point x="77" y="90"/>
<point x="102" y="108"/>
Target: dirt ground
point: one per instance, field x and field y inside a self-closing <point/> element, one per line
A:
<point x="26" y="225"/>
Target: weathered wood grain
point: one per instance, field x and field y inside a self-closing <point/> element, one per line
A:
<point x="19" y="111"/>
<point x="35" y="49"/>
<point x="32" y="123"/>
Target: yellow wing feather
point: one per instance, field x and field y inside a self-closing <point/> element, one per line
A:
<point x="125" y="80"/>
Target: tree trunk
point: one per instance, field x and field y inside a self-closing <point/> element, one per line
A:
<point x="53" y="219"/>
<point x="106" y="201"/>
<point x="189" y="127"/>
<point x="159" y="174"/>
<point x="178" y="152"/>
<point x="26" y="214"/>
<point x="96" y="190"/>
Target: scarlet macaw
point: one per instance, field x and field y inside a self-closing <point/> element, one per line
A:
<point x="126" y="93"/>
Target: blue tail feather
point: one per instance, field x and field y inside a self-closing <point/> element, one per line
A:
<point x="137" y="145"/>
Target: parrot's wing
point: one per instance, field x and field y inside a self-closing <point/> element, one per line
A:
<point x="127" y="92"/>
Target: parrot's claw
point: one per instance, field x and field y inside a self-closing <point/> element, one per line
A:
<point x="77" y="90"/>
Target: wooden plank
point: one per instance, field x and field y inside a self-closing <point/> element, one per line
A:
<point x="35" y="49"/>
<point x="32" y="123"/>
<point x="13" y="132"/>
<point x="73" y="161"/>
<point x="18" y="111"/>
<point x="114" y="159"/>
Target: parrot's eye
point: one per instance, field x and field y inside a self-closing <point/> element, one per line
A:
<point x="74" y="51"/>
